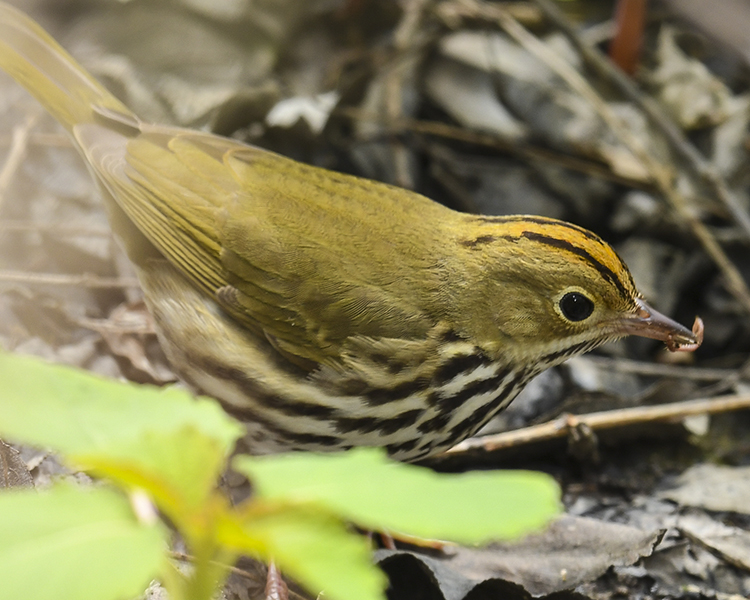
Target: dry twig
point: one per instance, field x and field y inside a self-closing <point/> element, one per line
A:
<point x="57" y="140"/>
<point x="496" y="142"/>
<point x="559" y="428"/>
<point x="90" y="281"/>
<point x="405" y="40"/>
<point x="18" y="146"/>
<point x="55" y="229"/>
<point x="624" y="365"/>
<point x="106" y="326"/>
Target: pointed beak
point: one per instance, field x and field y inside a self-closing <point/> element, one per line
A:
<point x="647" y="322"/>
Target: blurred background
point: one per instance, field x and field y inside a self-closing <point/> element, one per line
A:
<point x="489" y="107"/>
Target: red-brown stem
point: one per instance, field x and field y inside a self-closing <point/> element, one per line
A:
<point x="625" y="49"/>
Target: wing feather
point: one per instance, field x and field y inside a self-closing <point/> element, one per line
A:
<point x="308" y="257"/>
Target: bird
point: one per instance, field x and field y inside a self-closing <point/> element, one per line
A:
<point x="323" y="310"/>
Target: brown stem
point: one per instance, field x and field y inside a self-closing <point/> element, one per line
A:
<point x="560" y="427"/>
<point x="625" y="49"/>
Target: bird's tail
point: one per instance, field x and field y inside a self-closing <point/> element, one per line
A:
<point x="49" y="73"/>
<point x="80" y="103"/>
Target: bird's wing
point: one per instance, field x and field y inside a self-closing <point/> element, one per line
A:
<point x="280" y="244"/>
<point x="310" y="257"/>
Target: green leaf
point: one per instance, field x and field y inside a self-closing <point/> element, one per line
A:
<point x="370" y="490"/>
<point x="178" y="468"/>
<point x="126" y="431"/>
<point x="36" y="397"/>
<point x="77" y="544"/>
<point x="313" y="547"/>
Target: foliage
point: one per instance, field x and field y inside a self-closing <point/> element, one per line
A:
<point x="160" y="452"/>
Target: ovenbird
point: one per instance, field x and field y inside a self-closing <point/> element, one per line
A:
<point x="325" y="310"/>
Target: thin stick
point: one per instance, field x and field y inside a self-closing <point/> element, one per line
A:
<point x="54" y="229"/>
<point x="40" y="139"/>
<point x="89" y="281"/>
<point x="406" y="41"/>
<point x="559" y="428"/>
<point x="624" y="365"/>
<point x="106" y="326"/>
<point x="256" y="578"/>
<point x="18" y="147"/>
<point x="515" y="147"/>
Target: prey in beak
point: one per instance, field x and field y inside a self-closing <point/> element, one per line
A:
<point x="647" y="322"/>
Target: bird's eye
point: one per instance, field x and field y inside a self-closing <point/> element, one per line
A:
<point x="576" y="307"/>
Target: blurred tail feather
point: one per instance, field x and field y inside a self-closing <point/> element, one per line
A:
<point x="49" y="73"/>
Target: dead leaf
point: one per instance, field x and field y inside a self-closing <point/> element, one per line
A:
<point x="13" y="470"/>
<point x="573" y="550"/>
<point x="713" y="487"/>
<point x="731" y="543"/>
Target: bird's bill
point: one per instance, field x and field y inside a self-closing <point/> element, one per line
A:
<point x="647" y="322"/>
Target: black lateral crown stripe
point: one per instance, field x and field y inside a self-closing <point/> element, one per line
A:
<point x="477" y="243"/>
<point x="537" y="221"/>
<point x="584" y="232"/>
<point x="482" y="239"/>
<point x="605" y="271"/>
<point x="540" y="221"/>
